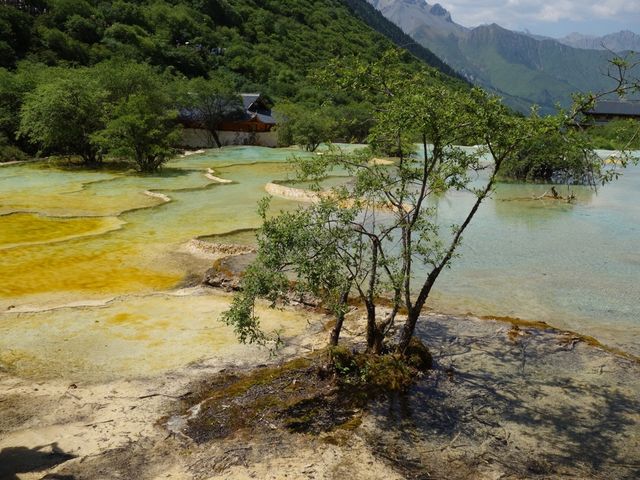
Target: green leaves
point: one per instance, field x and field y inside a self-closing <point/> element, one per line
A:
<point x="300" y="254"/>
<point x="118" y="109"/>
<point x="63" y="114"/>
<point x="367" y="236"/>
<point x="141" y="127"/>
<point x="305" y="125"/>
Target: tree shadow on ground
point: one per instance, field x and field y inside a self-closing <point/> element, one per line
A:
<point x="517" y="404"/>
<point x="15" y="460"/>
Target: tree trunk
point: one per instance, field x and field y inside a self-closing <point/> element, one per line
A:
<point x="337" y="329"/>
<point x="216" y="138"/>
<point x="372" y="332"/>
<point x="409" y="329"/>
<point x="91" y="158"/>
<point x="377" y="342"/>
<point x="415" y="311"/>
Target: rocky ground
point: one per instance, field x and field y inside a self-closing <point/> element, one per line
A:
<point x="501" y="403"/>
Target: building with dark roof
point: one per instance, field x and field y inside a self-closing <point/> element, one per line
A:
<point x="251" y="126"/>
<point x="605" y="111"/>
<point x="257" y="116"/>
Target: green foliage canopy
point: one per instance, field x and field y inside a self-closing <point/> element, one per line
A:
<point x="62" y="115"/>
<point x="305" y="126"/>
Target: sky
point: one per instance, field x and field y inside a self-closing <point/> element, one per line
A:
<point x="553" y="18"/>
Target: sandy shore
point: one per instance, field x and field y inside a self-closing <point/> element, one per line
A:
<point x="14" y="162"/>
<point x="502" y="403"/>
<point x="97" y="429"/>
<point x="214" y="251"/>
<point x="298" y="194"/>
<point x="307" y="196"/>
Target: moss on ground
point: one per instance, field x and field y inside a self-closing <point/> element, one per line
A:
<point x="324" y="392"/>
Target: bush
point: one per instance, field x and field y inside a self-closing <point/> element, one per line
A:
<point x="391" y="372"/>
<point x="418" y="355"/>
<point x="10" y="153"/>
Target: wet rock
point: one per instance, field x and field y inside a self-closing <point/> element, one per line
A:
<point x="216" y="249"/>
<point x="218" y="277"/>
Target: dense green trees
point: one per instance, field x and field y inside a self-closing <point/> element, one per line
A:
<point x="226" y="46"/>
<point x="558" y="153"/>
<point x="15" y="35"/>
<point x="564" y="149"/>
<point x="116" y="109"/>
<point x="141" y="122"/>
<point x="142" y="128"/>
<point x="617" y="135"/>
<point x="140" y="118"/>
<point x="258" y="40"/>
<point x="306" y="126"/>
<point x="61" y="116"/>
<point x="565" y="153"/>
<point x="223" y="46"/>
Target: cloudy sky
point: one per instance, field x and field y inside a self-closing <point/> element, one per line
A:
<point x="554" y="18"/>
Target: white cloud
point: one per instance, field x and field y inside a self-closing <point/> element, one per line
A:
<point x="519" y="13"/>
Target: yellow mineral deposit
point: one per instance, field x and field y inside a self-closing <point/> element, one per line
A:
<point x="128" y="337"/>
<point x="90" y="261"/>
<point x="22" y="229"/>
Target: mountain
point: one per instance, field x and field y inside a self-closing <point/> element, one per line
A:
<point x="268" y="45"/>
<point x="374" y="18"/>
<point x="522" y="68"/>
<point x="624" y="40"/>
<point x="412" y="15"/>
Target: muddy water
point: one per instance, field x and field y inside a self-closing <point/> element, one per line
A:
<point x="77" y="237"/>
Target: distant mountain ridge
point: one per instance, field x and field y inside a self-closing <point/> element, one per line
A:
<point x="411" y="15"/>
<point x="624" y="40"/>
<point x="523" y="68"/>
<point x="378" y="22"/>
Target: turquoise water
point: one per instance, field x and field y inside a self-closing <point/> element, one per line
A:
<point x="575" y="266"/>
<point x="66" y="236"/>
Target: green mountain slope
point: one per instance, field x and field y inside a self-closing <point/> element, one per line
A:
<point x="540" y="72"/>
<point x="268" y="44"/>
<point x="381" y="24"/>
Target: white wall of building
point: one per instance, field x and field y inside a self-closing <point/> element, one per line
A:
<point x="200" y="138"/>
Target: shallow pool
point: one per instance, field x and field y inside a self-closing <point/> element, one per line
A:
<point x="69" y="237"/>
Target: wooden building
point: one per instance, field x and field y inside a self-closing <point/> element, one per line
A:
<point x="607" y="111"/>
<point x="257" y="116"/>
<point x="253" y="126"/>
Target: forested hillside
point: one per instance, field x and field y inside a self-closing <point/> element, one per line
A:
<point x="269" y="46"/>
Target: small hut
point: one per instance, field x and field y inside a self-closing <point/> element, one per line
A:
<point x="253" y="127"/>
